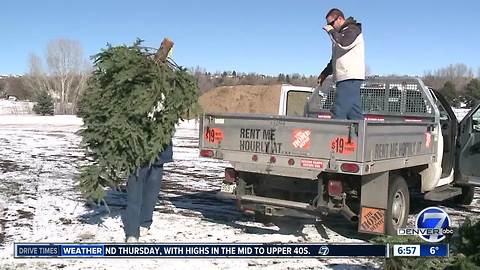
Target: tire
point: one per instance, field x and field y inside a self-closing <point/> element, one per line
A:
<point x="467" y="196"/>
<point x="398" y="206"/>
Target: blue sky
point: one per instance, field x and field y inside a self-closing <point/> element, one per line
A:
<point x="269" y="37"/>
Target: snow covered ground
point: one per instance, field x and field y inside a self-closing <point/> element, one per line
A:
<point x="38" y="203"/>
<point x="8" y="107"/>
<point x="460" y="113"/>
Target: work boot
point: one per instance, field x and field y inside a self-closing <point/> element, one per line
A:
<point x="132" y="239"/>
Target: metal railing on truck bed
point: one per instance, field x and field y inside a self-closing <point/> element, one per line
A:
<point x="389" y="97"/>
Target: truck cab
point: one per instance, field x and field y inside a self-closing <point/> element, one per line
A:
<point x="293" y="100"/>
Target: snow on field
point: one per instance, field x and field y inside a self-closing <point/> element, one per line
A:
<point x="460" y="113"/>
<point x="39" y="159"/>
<point x="8" y="107"/>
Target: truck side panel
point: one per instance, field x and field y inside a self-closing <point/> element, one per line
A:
<point x="285" y="136"/>
<point x="316" y="144"/>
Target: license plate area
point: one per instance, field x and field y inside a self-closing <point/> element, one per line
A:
<point x="228" y="188"/>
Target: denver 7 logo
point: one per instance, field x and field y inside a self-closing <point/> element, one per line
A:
<point x="435" y="219"/>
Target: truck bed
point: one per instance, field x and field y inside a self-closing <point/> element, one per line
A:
<point x="302" y="147"/>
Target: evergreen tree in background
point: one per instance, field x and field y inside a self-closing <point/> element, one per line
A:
<point x="472" y="90"/>
<point x="449" y="93"/>
<point x="130" y="108"/>
<point x="44" y="105"/>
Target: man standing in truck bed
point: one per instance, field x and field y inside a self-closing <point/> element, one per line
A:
<point x="347" y="64"/>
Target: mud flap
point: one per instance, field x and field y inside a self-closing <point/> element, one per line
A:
<point x="373" y="203"/>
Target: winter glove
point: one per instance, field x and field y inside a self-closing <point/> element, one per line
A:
<point x="328" y="28"/>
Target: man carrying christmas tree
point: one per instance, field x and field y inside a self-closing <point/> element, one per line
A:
<point x="144" y="185"/>
<point x="128" y="134"/>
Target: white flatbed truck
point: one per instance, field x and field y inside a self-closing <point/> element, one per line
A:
<point x="303" y="163"/>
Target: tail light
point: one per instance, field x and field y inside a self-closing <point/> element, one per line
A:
<point x="273" y="159"/>
<point x="254" y="158"/>
<point x="230" y="175"/>
<point x="291" y="162"/>
<point x="349" y="167"/>
<point x="206" y="153"/>
<point x="335" y="188"/>
<point x="324" y="116"/>
<point x="372" y="117"/>
<point x="412" y="119"/>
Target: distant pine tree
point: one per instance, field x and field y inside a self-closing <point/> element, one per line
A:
<point x="448" y="91"/>
<point x="472" y="89"/>
<point x="44" y="104"/>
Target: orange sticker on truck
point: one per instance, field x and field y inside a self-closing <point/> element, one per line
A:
<point x="301" y="138"/>
<point x="372" y="220"/>
<point x="428" y="139"/>
<point x="214" y="135"/>
<point x="343" y="145"/>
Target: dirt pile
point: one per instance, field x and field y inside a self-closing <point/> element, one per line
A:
<point x="257" y="99"/>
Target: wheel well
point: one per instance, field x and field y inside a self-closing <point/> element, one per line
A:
<point x="411" y="175"/>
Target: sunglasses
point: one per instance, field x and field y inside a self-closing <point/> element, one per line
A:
<point x="332" y="22"/>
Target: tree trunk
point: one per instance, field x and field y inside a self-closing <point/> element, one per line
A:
<point x="162" y="53"/>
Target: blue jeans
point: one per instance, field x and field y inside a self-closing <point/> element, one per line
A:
<point x="347" y="103"/>
<point x="142" y="194"/>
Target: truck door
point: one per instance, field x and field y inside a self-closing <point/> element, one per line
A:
<point x="468" y="154"/>
<point x="449" y="128"/>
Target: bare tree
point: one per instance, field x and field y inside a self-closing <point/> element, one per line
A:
<point x="66" y="75"/>
<point x="15" y="86"/>
<point x="205" y="83"/>
<point x="37" y="79"/>
<point x="459" y="74"/>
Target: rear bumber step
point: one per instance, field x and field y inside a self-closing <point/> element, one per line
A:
<point x="443" y="193"/>
<point x="345" y="210"/>
<point x="277" y="202"/>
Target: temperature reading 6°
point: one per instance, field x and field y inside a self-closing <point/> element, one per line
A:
<point x="433" y="250"/>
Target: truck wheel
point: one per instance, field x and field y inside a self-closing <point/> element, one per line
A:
<point x="398" y="205"/>
<point x="467" y="195"/>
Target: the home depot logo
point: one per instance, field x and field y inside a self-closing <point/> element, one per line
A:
<point x="301" y="138"/>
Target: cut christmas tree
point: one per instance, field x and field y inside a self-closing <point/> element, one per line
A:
<point x="133" y="101"/>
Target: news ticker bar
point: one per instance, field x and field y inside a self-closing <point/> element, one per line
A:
<point x="194" y="250"/>
<point x="213" y="250"/>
